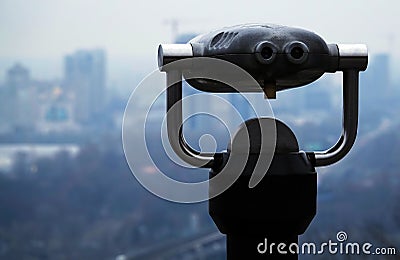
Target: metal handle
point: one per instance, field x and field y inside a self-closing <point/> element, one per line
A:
<point x="353" y="58"/>
<point x="349" y="121"/>
<point x="174" y="125"/>
<point x="168" y="53"/>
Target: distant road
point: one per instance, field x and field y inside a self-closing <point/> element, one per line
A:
<point x="385" y="126"/>
<point x="33" y="150"/>
<point x="44" y="139"/>
<point x="205" y="246"/>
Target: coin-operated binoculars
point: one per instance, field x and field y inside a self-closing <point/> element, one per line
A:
<point x="283" y="203"/>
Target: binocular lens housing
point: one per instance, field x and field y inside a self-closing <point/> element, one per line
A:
<point x="265" y="52"/>
<point x="296" y="52"/>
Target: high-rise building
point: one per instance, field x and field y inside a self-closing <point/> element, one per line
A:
<point x="85" y="77"/>
<point x="18" y="101"/>
<point x="185" y="37"/>
<point x="380" y="69"/>
<point x="18" y="77"/>
<point x="317" y="97"/>
<point x="8" y="99"/>
<point x="375" y="83"/>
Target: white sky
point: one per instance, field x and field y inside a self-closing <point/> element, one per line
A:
<point x="132" y="30"/>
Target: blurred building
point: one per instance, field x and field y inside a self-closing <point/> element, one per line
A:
<point x="18" y="77"/>
<point x="380" y="71"/>
<point x="18" y="104"/>
<point x="185" y="37"/>
<point x="317" y="98"/>
<point x="376" y="81"/>
<point x="56" y="111"/>
<point x="85" y="77"/>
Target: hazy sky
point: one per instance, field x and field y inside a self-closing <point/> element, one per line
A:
<point x="131" y="30"/>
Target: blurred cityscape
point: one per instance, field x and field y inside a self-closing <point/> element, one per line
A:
<point x="66" y="191"/>
<point x="74" y="104"/>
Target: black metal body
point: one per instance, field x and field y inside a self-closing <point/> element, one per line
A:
<point x="278" y="209"/>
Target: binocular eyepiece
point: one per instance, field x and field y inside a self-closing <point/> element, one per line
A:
<point x="277" y="57"/>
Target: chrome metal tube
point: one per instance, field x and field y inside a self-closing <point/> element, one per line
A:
<point x="350" y="122"/>
<point x="171" y="52"/>
<point x="352" y="57"/>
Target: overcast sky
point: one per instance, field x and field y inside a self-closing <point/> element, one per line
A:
<point x="131" y="30"/>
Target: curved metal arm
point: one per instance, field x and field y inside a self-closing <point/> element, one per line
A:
<point x="352" y="58"/>
<point x="174" y="125"/>
<point x="350" y="122"/>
